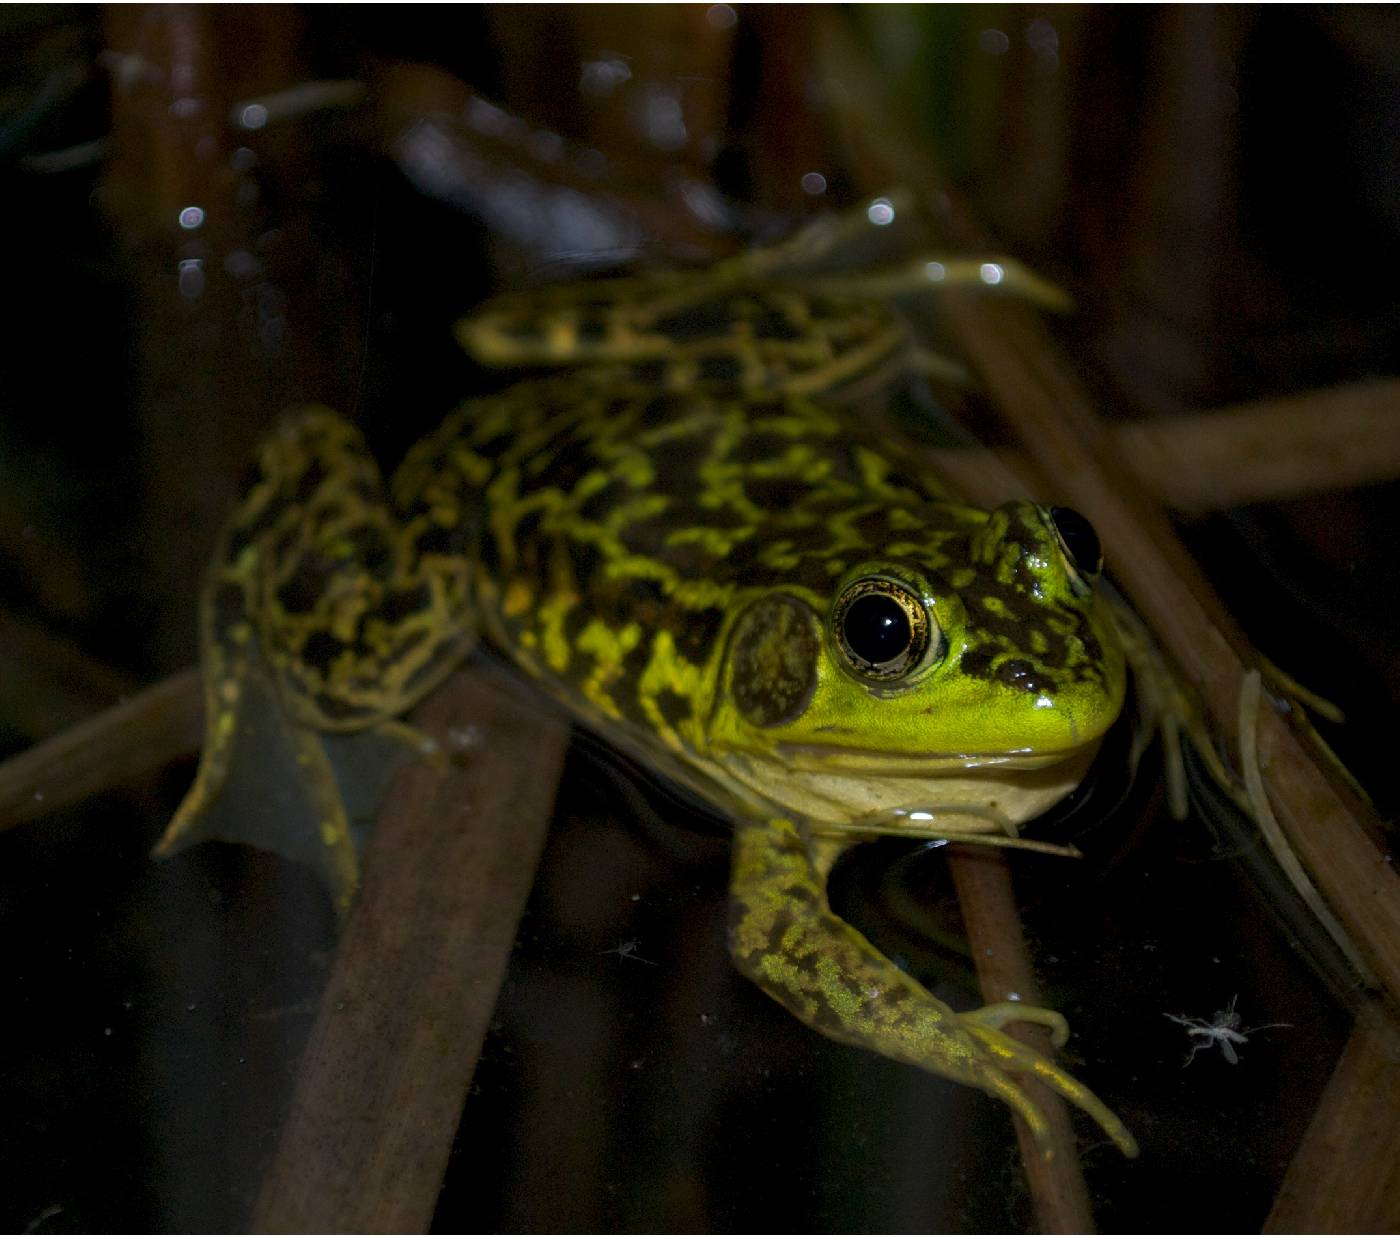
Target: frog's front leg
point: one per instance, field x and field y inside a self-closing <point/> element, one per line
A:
<point x="784" y="937"/>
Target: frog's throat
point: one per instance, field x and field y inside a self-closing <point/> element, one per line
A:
<point x="995" y="793"/>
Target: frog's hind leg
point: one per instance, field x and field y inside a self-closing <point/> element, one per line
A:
<point x="360" y="609"/>
<point x="261" y="770"/>
<point x="225" y="639"/>
<point x="265" y="780"/>
<point x="318" y="616"/>
<point x="784" y="937"/>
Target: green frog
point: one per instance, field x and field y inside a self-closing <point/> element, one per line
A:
<point x="686" y="538"/>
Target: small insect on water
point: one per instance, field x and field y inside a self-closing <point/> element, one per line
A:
<point x="628" y="949"/>
<point x="1224" y="1030"/>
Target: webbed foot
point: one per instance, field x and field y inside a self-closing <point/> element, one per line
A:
<point x="265" y="780"/>
<point x="1007" y="1057"/>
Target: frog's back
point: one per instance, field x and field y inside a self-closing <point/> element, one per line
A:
<point x="615" y="532"/>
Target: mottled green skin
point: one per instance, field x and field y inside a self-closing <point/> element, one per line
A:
<point x="615" y="539"/>
<point x="661" y="544"/>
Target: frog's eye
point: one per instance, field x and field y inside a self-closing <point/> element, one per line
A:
<point x="883" y="630"/>
<point x="1079" y="544"/>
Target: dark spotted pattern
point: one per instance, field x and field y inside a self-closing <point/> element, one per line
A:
<point x="620" y="537"/>
<point x="658" y="535"/>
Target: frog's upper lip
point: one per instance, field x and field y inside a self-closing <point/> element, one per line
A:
<point x="818" y="758"/>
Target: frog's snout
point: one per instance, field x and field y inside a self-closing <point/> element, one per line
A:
<point x="1010" y="531"/>
<point x="1031" y="548"/>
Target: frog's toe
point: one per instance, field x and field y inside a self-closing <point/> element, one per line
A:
<point x="1012" y="1056"/>
<point x="1001" y="1085"/>
<point x="998" y="1015"/>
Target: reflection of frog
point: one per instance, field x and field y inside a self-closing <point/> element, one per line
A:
<point x="723" y="576"/>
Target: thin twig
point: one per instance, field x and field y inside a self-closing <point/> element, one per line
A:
<point x="1271" y="450"/>
<point x="50" y="682"/>
<point x="1344" y="1177"/>
<point x="404" y="1013"/>
<point x="123" y="744"/>
<point x="988" y="904"/>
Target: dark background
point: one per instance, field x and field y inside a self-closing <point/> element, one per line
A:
<point x="1217" y="187"/>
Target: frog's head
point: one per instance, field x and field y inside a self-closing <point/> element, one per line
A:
<point x="978" y="671"/>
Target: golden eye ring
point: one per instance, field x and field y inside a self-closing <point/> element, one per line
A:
<point x="884" y="631"/>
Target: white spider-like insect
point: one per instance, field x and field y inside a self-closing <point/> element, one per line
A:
<point x="628" y="949"/>
<point x="1224" y="1030"/>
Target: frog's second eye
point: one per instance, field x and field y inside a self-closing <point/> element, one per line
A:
<point x="883" y="630"/>
<point x="1079" y="544"/>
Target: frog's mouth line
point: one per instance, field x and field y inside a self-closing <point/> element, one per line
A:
<point x="814" y="758"/>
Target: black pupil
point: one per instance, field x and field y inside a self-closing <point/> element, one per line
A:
<point x="1080" y="539"/>
<point x="877" y="628"/>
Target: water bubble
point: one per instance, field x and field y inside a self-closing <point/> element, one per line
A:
<point x="601" y="77"/>
<point x="241" y="264"/>
<point x="993" y="42"/>
<point x="192" y="278"/>
<point x="191" y="217"/>
<point x="1044" y="40"/>
<point x="992" y="273"/>
<point x="880" y="212"/>
<point x="706" y="205"/>
<point x="254" y="116"/>
<point x="935" y="271"/>
<point x="814" y="183"/>
<point x="665" y="122"/>
<point x="721" y="16"/>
